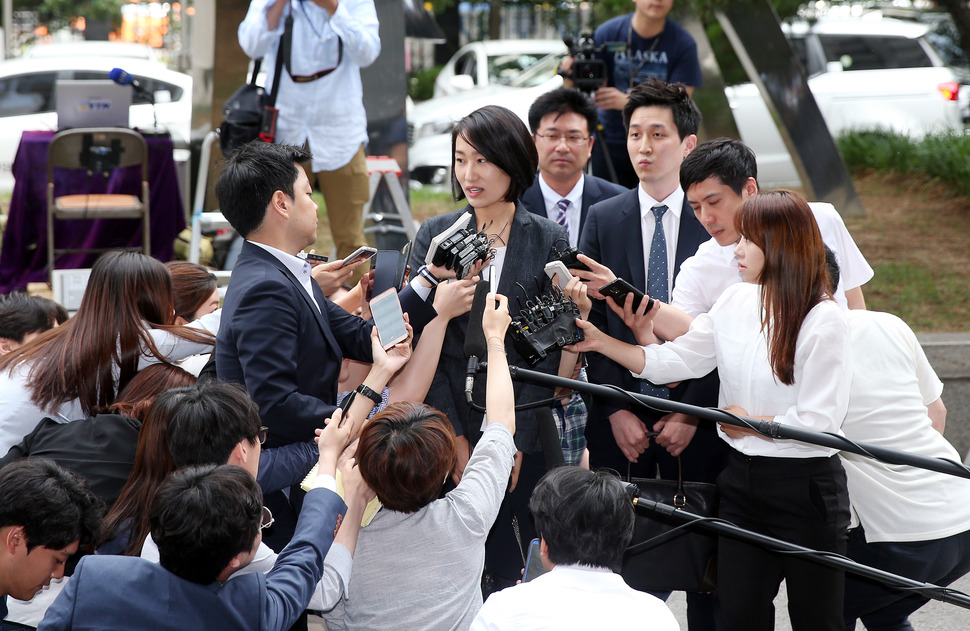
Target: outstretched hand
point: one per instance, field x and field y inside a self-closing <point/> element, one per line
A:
<point x="639" y="320"/>
<point x="598" y="276"/>
<point x="495" y="321"/>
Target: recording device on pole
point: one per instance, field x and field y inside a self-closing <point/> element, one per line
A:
<point x="475" y="335"/>
<point x="123" y="77"/>
<point x="547" y="324"/>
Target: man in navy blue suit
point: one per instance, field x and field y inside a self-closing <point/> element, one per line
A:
<point x="562" y="123"/>
<point x="644" y="236"/>
<point x="207" y="522"/>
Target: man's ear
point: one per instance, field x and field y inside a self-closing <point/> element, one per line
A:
<point x="12" y="538"/>
<point x="240" y="453"/>
<point x="689" y="143"/>
<point x="280" y="204"/>
<point x="749" y="188"/>
<point x="7" y="345"/>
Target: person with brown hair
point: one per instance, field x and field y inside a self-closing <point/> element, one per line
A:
<point x="125" y="323"/>
<point x="195" y="290"/>
<point x="782" y="349"/>
<point x="418" y="565"/>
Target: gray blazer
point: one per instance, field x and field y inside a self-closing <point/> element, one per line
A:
<point x="532" y="244"/>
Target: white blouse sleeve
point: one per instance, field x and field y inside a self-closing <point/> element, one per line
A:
<point x="690" y="356"/>
<point x="174" y="348"/>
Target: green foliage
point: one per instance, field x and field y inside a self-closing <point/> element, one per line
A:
<point x="421" y="83"/>
<point x="59" y="13"/>
<point x="943" y="157"/>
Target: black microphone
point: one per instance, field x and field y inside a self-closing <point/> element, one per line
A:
<point x="475" y="337"/>
<point x="549" y="439"/>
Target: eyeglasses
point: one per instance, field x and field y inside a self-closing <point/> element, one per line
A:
<point x="261" y="436"/>
<point x="555" y="139"/>
<point x="266" y="520"/>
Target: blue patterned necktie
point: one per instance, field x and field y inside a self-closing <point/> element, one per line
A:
<point x="563" y="206"/>
<point x="657" y="287"/>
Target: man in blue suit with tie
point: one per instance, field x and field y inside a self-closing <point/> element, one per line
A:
<point x="562" y="123"/>
<point x="207" y="523"/>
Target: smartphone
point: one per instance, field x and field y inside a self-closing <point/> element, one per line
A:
<point x="493" y="280"/>
<point x="362" y="253"/>
<point x="317" y="257"/>
<point x="388" y="318"/>
<point x="533" y="564"/>
<point x="618" y="290"/>
<point x="557" y="268"/>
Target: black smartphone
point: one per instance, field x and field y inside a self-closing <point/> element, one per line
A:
<point x="619" y="288"/>
<point x="317" y="257"/>
<point x="533" y="563"/>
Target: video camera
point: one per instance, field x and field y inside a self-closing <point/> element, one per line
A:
<point x="589" y="71"/>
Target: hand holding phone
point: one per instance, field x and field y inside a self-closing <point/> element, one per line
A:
<point x="533" y="564"/>
<point x="361" y="254"/>
<point x="619" y="288"/>
<point x="558" y="270"/>
<point x="388" y="318"/>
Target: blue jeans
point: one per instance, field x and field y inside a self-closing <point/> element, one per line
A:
<point x="937" y="561"/>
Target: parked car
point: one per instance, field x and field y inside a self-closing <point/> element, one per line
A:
<point x="27" y="97"/>
<point x="864" y="73"/>
<point x="485" y="64"/>
<point x="430" y="122"/>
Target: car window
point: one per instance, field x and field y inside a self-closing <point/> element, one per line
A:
<point x="31" y="93"/>
<point x="874" y="53"/>
<point x="538" y="73"/>
<point x="504" y="68"/>
<point x="801" y="51"/>
<point x="164" y="92"/>
<point x="466" y="65"/>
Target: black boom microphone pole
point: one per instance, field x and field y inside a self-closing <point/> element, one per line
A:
<point x="770" y="429"/>
<point x="831" y="559"/>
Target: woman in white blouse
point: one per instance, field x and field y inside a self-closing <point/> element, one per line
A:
<point x="124" y="323"/>
<point x="781" y="348"/>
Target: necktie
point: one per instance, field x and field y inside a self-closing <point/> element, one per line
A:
<point x="563" y="206"/>
<point x="657" y="283"/>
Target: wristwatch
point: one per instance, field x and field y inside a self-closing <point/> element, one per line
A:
<point x="369" y="393"/>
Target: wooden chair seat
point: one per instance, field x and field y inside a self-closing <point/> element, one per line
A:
<point x="103" y="205"/>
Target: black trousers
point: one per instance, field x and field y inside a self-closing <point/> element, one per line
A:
<point x="800" y="500"/>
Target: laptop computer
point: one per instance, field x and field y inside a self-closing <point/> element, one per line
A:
<point x="91" y="103"/>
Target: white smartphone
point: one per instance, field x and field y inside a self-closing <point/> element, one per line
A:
<point x="493" y="280"/>
<point x="388" y="318"/>
<point x="362" y="253"/>
<point x="558" y="268"/>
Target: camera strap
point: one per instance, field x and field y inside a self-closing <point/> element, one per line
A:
<point x="287" y="52"/>
<point x="629" y="51"/>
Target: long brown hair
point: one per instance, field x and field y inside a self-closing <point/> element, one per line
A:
<point x="137" y="397"/>
<point x="153" y="463"/>
<point x="192" y="284"/>
<point x="127" y="294"/>
<point x="794" y="278"/>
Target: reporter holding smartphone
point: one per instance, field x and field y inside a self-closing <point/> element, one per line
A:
<point x="418" y="565"/>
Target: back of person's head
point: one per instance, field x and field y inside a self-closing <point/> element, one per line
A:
<point x="54" y="506"/>
<point x="673" y="96"/>
<point x="202" y="517"/>
<point x="794" y="277"/>
<point x="192" y="286"/>
<point x="253" y="174"/>
<point x="502" y="138"/>
<point x="729" y="160"/>
<point x="21" y="315"/>
<point x="585" y="517"/>
<point x="832" y="265"/>
<point x="405" y="453"/>
<point x="563" y="101"/>
<point x="208" y="421"/>
<point x="137" y="397"/>
<point x="153" y="463"/>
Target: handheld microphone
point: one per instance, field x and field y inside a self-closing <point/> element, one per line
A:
<point x="475" y="336"/>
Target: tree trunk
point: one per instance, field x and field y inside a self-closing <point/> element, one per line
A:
<point x="494" y="19"/>
<point x="961" y="19"/>
<point x="450" y="22"/>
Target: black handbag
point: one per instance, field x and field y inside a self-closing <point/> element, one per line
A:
<point x="250" y="113"/>
<point x="664" y="554"/>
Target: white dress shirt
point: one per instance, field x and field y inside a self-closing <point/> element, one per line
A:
<point x="573" y="213"/>
<point x="671" y="223"/>
<point x="704" y="276"/>
<point x="329" y="112"/>
<point x="730" y="339"/>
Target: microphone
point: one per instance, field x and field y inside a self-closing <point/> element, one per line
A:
<point x="475" y="337"/>
<point x="123" y="77"/>
<point x="549" y="439"/>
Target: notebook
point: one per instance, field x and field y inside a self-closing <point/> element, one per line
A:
<point x="92" y="103"/>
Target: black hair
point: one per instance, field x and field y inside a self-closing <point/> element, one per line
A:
<point x="731" y="161"/>
<point x="502" y="138"/>
<point x="562" y="101"/>
<point x="253" y="174"/>
<point x="207" y="422"/>
<point x="656" y="93"/>
<point x="204" y="516"/>
<point x="585" y="517"/>
<point x="21" y="314"/>
<point x="55" y="506"/>
<point x="832" y="263"/>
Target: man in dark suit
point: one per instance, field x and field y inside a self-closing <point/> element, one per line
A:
<point x="207" y="523"/>
<point x="562" y="124"/>
<point x="46" y="514"/>
<point x="644" y="236"/>
<point x="279" y="335"/>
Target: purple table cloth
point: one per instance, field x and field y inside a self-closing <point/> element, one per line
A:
<point x="23" y="255"/>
